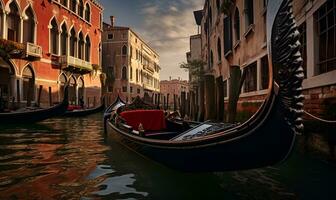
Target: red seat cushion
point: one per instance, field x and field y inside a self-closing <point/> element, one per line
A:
<point x="73" y="107"/>
<point x="151" y="120"/>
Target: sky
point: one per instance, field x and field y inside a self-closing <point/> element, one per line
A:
<point x="166" y="25"/>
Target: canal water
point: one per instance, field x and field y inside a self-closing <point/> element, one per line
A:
<point x="72" y="159"/>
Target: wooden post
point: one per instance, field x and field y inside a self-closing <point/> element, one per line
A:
<point x="236" y="83"/>
<point x="50" y="97"/>
<point x="201" y="98"/>
<point x="210" y="98"/>
<point x="18" y="96"/>
<point x="39" y="96"/>
<point x="158" y="100"/>
<point x="182" y="104"/>
<point x="220" y="98"/>
<point x="167" y="100"/>
<point x="88" y="102"/>
<point x="94" y="101"/>
<point x="175" y="108"/>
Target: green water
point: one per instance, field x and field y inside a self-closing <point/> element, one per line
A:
<point x="72" y="159"/>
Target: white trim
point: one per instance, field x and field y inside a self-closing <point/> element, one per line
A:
<point x="321" y="80"/>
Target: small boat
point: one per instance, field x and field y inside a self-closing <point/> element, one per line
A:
<point x="264" y="140"/>
<point x="85" y="112"/>
<point x="35" y="115"/>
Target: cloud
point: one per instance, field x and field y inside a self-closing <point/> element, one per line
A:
<point x="167" y="27"/>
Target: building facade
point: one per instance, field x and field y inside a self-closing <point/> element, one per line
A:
<point x="236" y="37"/>
<point x="172" y="88"/>
<point x="60" y="43"/>
<point x="131" y="65"/>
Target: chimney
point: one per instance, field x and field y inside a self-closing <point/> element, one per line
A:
<point x="170" y="78"/>
<point x="112" y="18"/>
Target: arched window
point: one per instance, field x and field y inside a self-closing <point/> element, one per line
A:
<point x="211" y="59"/>
<point x="64" y="3"/>
<point x="73" y="5"/>
<point x="124" y="50"/>
<point x="87" y="12"/>
<point x="237" y="24"/>
<point x="73" y="43"/>
<point x="219" y="49"/>
<point x="54" y="37"/>
<point x="137" y="75"/>
<point x="29" y="26"/>
<point x="124" y="73"/>
<point x="87" y="48"/>
<point x="28" y="85"/>
<point x="227" y="35"/>
<point x="72" y="90"/>
<point x="81" y="46"/>
<point x="13" y="22"/>
<point x="64" y="40"/>
<point x="80" y="8"/>
<point x="62" y="82"/>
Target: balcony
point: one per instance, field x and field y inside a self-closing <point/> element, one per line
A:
<point x="33" y="51"/>
<point x="76" y="65"/>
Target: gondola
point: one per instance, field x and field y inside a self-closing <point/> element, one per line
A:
<point x="85" y="112"/>
<point x="264" y="140"/>
<point x="27" y="117"/>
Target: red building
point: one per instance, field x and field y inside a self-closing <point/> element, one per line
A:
<point x="59" y="41"/>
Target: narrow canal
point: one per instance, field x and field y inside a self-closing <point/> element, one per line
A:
<point x="72" y="159"/>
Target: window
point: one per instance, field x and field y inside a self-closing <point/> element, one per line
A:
<point x="237" y="25"/>
<point x="131" y="73"/>
<point x="64" y="40"/>
<point x="131" y="52"/>
<point x="87" y="48"/>
<point x="227" y="35"/>
<point x="73" y="43"/>
<point x="225" y="88"/>
<point x="54" y="37"/>
<point x="87" y="12"/>
<point x="73" y="5"/>
<point x="124" y="89"/>
<point x="326" y="32"/>
<point x="137" y="75"/>
<point x="13" y="23"/>
<point x="80" y="8"/>
<point x="249" y="13"/>
<point x="28" y="84"/>
<point x="219" y="50"/>
<point x="124" y="50"/>
<point x="131" y="89"/>
<point x="250" y="83"/>
<point x="264" y="73"/>
<point x="81" y="46"/>
<point x="110" y="36"/>
<point x="211" y="59"/>
<point x="138" y="91"/>
<point x="303" y="41"/>
<point x="29" y="26"/>
<point x="64" y="3"/>
<point x="124" y="73"/>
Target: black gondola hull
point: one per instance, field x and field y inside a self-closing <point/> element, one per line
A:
<point x="264" y="146"/>
<point x="85" y="112"/>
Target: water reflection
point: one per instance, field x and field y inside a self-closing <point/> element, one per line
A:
<point x="71" y="159"/>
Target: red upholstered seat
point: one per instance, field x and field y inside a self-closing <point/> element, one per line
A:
<point x="151" y="120"/>
<point x="73" y="107"/>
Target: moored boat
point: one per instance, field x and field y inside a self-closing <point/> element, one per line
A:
<point x="33" y="116"/>
<point x="264" y="140"/>
<point x="85" y="112"/>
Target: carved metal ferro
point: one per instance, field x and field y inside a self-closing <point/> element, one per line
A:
<point x="284" y="54"/>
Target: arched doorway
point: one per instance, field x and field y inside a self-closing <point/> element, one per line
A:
<point x="7" y="75"/>
<point x="62" y="83"/>
<point x="28" y="85"/>
<point x="81" y="94"/>
<point x="72" y="91"/>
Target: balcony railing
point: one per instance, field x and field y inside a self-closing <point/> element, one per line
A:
<point x="33" y="50"/>
<point x="70" y="62"/>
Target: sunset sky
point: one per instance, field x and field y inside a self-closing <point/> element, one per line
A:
<point x="165" y="25"/>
